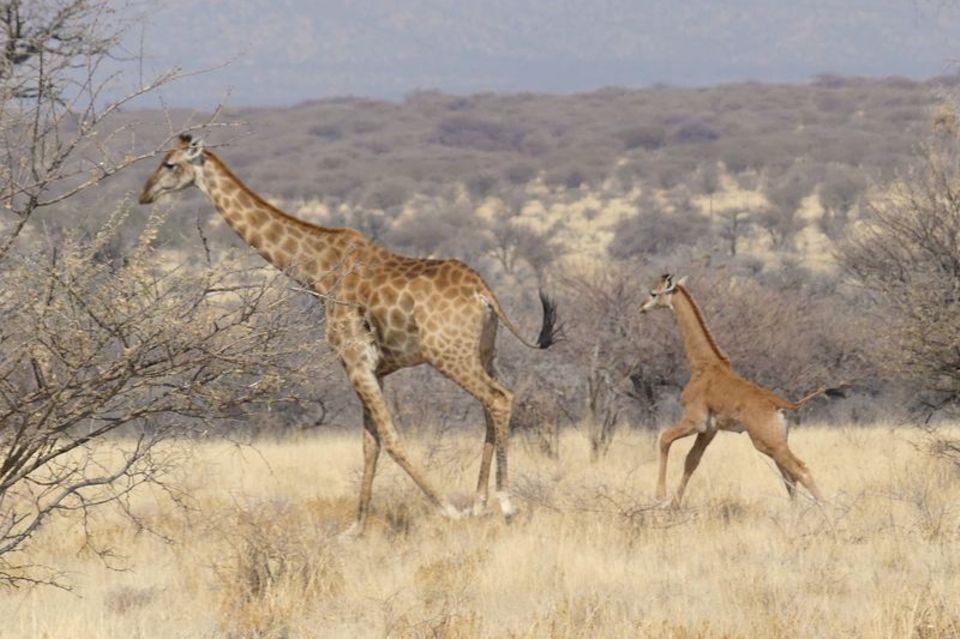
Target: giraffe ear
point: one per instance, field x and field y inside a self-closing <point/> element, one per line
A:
<point x="194" y="148"/>
<point x="667" y="282"/>
<point x="681" y="281"/>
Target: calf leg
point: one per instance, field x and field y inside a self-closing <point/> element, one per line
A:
<point x="693" y="419"/>
<point x="692" y="461"/>
<point x="770" y="439"/>
<point x="788" y="481"/>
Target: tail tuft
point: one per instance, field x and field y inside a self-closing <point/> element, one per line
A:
<point x="551" y="331"/>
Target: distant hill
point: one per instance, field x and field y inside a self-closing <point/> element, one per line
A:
<point x="616" y="172"/>
<point x="379" y="153"/>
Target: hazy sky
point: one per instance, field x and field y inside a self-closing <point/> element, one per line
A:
<point x="287" y="51"/>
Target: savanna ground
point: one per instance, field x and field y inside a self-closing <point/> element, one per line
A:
<point x="255" y="552"/>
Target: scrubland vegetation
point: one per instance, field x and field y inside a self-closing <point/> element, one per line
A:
<point x="254" y="553"/>
<point x="819" y="226"/>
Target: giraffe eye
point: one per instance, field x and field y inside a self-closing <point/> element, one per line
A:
<point x="169" y="165"/>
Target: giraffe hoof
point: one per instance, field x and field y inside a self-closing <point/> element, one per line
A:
<point x="451" y="512"/>
<point x="479" y="506"/>
<point x="506" y="506"/>
<point x="350" y="534"/>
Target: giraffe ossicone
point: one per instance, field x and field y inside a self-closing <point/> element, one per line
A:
<point x="384" y="312"/>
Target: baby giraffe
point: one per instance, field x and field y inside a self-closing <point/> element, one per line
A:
<point x="717" y="398"/>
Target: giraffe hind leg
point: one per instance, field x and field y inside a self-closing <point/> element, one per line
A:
<point x="487" y="345"/>
<point x="772" y="441"/>
<point x="471" y="375"/>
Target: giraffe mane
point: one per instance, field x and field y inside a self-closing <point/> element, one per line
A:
<point x="222" y="166"/>
<point x="703" y="324"/>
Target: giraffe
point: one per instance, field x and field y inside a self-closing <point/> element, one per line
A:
<point x="383" y="311"/>
<point x="717" y="398"/>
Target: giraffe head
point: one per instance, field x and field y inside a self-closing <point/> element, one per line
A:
<point x="661" y="295"/>
<point x="179" y="169"/>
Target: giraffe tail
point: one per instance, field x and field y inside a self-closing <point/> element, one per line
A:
<point x="550" y="330"/>
<point x="836" y="391"/>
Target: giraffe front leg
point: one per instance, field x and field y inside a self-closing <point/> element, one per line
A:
<point x="371" y="451"/>
<point x="688" y="424"/>
<point x="364" y="381"/>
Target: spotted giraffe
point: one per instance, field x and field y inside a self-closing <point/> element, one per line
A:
<point x="384" y="312"/>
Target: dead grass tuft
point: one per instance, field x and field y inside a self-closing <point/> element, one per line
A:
<point x="278" y="562"/>
<point x="591" y="555"/>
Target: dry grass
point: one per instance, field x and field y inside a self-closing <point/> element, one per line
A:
<point x="257" y="556"/>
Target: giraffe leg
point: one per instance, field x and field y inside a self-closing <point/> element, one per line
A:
<point x="360" y="357"/>
<point x="497" y="401"/>
<point x="788" y="481"/>
<point x="691" y="421"/>
<point x="371" y="451"/>
<point x="692" y="461"/>
<point x="487" y="343"/>
<point x="500" y="409"/>
<point x="483" y="481"/>
<point x="772" y="441"/>
<point x="797" y="470"/>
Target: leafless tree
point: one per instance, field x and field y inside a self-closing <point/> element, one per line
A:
<point x="63" y="76"/>
<point x="515" y="241"/>
<point x="906" y="255"/>
<point x="780" y="219"/>
<point x="734" y="224"/>
<point x="105" y="361"/>
<point x="102" y="358"/>
<point x="612" y="345"/>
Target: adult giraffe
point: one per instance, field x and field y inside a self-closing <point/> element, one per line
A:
<point x="717" y="398"/>
<point x="384" y="312"/>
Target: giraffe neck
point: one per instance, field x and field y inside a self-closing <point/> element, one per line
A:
<point x="698" y="341"/>
<point x="315" y="256"/>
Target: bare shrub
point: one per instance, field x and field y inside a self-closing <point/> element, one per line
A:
<point x="655" y="231"/>
<point x="536" y="416"/>
<point x="906" y="256"/>
<point x="103" y="361"/>
<point x="93" y="345"/>
<point x="648" y="137"/>
<point x="780" y="219"/>
<point x="274" y="568"/>
<point x="694" y="130"/>
<point x="520" y="173"/>
<point x="512" y="241"/>
<point x="479" y="133"/>
<point x="611" y="348"/>
<point x="56" y="109"/>
<point x="127" y="599"/>
<point x="839" y="193"/>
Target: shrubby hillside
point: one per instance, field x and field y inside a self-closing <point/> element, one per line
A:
<point x="750" y="188"/>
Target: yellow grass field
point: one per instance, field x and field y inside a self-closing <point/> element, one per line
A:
<point x="256" y="553"/>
